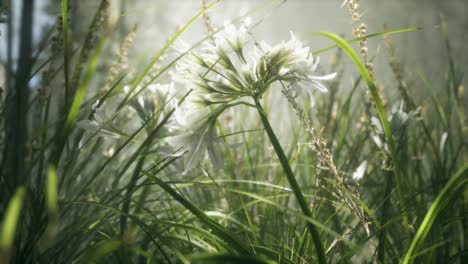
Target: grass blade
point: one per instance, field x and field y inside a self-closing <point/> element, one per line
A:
<point x="370" y="84"/>
<point x="379" y="34"/>
<point x="217" y="228"/>
<point x="456" y="185"/>
<point x="381" y="112"/>
<point x="148" y="67"/>
<point x="9" y="224"/>
<point x="51" y="196"/>
<point x="65" y="49"/>
<point x="228" y="258"/>
<point x="292" y="181"/>
<point x="81" y="91"/>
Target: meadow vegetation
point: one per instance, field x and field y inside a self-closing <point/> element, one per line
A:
<point x="228" y="149"/>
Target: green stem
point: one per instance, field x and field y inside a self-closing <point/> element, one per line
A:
<point x="382" y="236"/>
<point x="292" y="181"/>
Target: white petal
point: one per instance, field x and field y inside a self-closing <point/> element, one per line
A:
<point x="323" y="78"/>
<point x="319" y="86"/>
<point x="359" y="173"/>
<point x="316" y="63"/>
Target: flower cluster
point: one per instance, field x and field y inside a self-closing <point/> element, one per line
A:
<point x="143" y="107"/>
<point x="225" y="73"/>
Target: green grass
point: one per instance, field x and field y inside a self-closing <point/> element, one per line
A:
<point x="115" y="191"/>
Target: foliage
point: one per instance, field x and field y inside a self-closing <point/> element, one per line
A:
<point x="185" y="161"/>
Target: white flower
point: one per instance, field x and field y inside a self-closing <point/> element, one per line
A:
<point x="220" y="75"/>
<point x="292" y="62"/>
<point x="314" y="80"/>
<point x="235" y="37"/>
<point x="154" y="96"/>
<point x="147" y="106"/>
<point x="189" y="115"/>
<point x="194" y="133"/>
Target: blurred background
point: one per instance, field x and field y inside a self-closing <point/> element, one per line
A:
<point x="423" y="50"/>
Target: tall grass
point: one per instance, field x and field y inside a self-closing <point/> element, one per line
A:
<point x="95" y="169"/>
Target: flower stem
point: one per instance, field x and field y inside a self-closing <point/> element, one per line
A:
<point x="292" y="181"/>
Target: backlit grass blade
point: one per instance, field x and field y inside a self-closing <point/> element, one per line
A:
<point x="65" y="49"/>
<point x="453" y="189"/>
<point x="385" y="33"/>
<point x="228" y="258"/>
<point x="83" y="87"/>
<point x="168" y="44"/>
<point x="370" y="84"/>
<point x="261" y="199"/>
<point x="196" y="231"/>
<point x="101" y="250"/>
<point x="144" y="227"/>
<point x="380" y="109"/>
<point x="9" y="224"/>
<point x="249" y="221"/>
<point x="233" y="241"/>
<point x="292" y="182"/>
<point x="51" y="192"/>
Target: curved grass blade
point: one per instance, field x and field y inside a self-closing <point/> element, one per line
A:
<point x="277" y="205"/>
<point x="51" y="196"/>
<point x="234" y="242"/>
<point x="228" y="258"/>
<point x="396" y="167"/>
<point x="148" y="67"/>
<point x="136" y="220"/>
<point x="83" y="87"/>
<point x="266" y="185"/>
<point x="390" y="32"/>
<point x="65" y="49"/>
<point x="101" y="250"/>
<point x="9" y="224"/>
<point x="370" y="84"/>
<point x="52" y="189"/>
<point x="195" y="230"/>
<point x="455" y="186"/>
<point x="376" y="99"/>
<point x="292" y="182"/>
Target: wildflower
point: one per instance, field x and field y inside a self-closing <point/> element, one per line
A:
<point x="100" y="123"/>
<point x="193" y="130"/>
<point x="290" y="62"/>
<point x="149" y="102"/>
<point x="226" y="74"/>
<point x="152" y="99"/>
